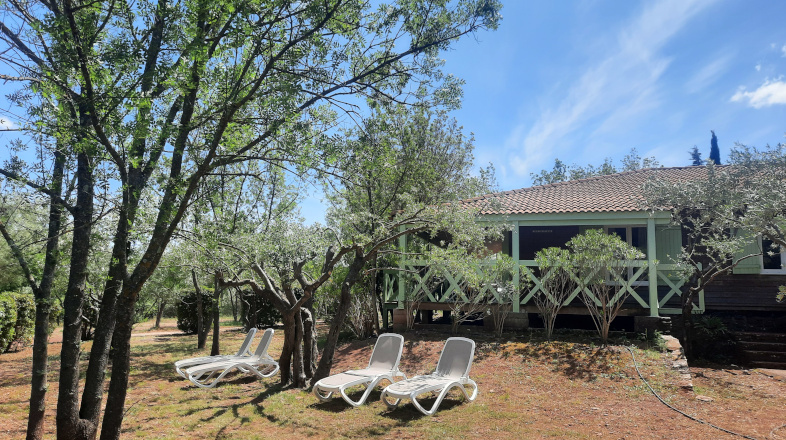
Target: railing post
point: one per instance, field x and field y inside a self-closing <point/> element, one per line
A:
<point x="514" y="251"/>
<point x="653" y="268"/>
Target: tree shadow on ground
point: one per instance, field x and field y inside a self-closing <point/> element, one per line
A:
<point x="577" y="361"/>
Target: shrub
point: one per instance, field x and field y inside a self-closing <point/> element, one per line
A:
<point x="25" y="319"/>
<point x="7" y="320"/>
<point x="187" y="311"/>
<point x="256" y="312"/>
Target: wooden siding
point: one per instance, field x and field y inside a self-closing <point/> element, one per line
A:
<point x="745" y="292"/>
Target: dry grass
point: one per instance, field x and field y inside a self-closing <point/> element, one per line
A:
<point x="528" y="389"/>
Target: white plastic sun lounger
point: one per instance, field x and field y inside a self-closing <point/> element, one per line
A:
<point x="245" y="351"/>
<point x="258" y="363"/>
<point x="452" y="371"/>
<point x="383" y="365"/>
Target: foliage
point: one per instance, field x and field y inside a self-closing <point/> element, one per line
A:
<point x="187" y="310"/>
<point x="602" y="262"/>
<point x="719" y="215"/>
<point x="25" y="318"/>
<point x="557" y="283"/>
<point x="17" y="319"/>
<point x="256" y="311"/>
<point x="476" y="279"/>
<point x="695" y="157"/>
<point x="7" y="319"/>
<point x="712" y="339"/>
<point x="562" y="172"/>
<point x="499" y="275"/>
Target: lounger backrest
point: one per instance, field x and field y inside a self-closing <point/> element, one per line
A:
<point x="264" y="343"/>
<point x="456" y="358"/>
<point x="246" y="345"/>
<point x="387" y="351"/>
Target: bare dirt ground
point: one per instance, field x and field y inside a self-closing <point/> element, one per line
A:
<point x="529" y="388"/>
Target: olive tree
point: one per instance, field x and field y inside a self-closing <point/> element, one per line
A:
<point x="601" y="262"/>
<point x="557" y="282"/>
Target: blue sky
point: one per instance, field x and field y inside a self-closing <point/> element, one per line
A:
<point x="586" y="80"/>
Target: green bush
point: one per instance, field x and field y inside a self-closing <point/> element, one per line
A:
<point x="25" y="319"/>
<point x="256" y="312"/>
<point x="187" y="311"/>
<point x="7" y="320"/>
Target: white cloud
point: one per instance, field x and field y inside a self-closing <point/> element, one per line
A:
<point x="708" y="74"/>
<point x="769" y="93"/>
<point x="783" y="50"/>
<point x="7" y="125"/>
<point x="629" y="70"/>
<point x="758" y="67"/>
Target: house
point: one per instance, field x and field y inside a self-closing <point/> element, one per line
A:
<point x="550" y="215"/>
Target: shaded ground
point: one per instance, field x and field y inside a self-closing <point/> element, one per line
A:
<point x="528" y="389"/>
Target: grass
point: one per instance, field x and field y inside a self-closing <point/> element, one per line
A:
<point x="529" y="388"/>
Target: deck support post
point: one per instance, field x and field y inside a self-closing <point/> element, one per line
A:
<point x="652" y="266"/>
<point x="514" y="253"/>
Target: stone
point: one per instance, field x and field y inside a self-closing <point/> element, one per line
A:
<point x="701" y="398"/>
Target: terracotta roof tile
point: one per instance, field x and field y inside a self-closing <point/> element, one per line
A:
<point x="620" y="192"/>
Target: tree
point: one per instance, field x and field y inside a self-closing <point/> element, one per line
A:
<point x="401" y="155"/>
<point x="557" y="282"/>
<point x="601" y="262"/>
<point x="169" y="93"/>
<point x="561" y="172"/>
<point x="695" y="157"/>
<point x="710" y="212"/>
<point x="714" y="150"/>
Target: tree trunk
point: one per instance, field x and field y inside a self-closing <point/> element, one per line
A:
<point x="285" y="360"/>
<point x="201" y="334"/>
<point x="121" y="362"/>
<point x="233" y="300"/>
<point x="69" y="424"/>
<point x="298" y="374"/>
<point x="373" y="289"/>
<point x="326" y="360"/>
<point x="687" y="322"/>
<point x="160" y="314"/>
<point x="92" y="395"/>
<point x="309" y="340"/>
<point x="38" y="386"/>
<point x="215" y="349"/>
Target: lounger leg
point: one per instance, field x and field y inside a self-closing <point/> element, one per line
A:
<point x="444" y="393"/>
<point x="325" y="398"/>
<point x="384" y="398"/>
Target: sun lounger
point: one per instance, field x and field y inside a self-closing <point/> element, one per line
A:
<point x="383" y="365"/>
<point x="259" y="363"/>
<point x="245" y="350"/>
<point x="452" y="371"/>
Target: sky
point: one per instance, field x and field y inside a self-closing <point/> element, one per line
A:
<point x="586" y="80"/>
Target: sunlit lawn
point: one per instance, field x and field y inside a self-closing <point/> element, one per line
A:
<point x="529" y="388"/>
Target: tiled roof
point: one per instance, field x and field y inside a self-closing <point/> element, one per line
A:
<point x="620" y="192"/>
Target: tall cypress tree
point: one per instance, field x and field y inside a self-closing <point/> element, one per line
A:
<point x="714" y="151"/>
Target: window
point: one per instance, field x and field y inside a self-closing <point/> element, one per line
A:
<point x="535" y="238"/>
<point x="771" y="259"/>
